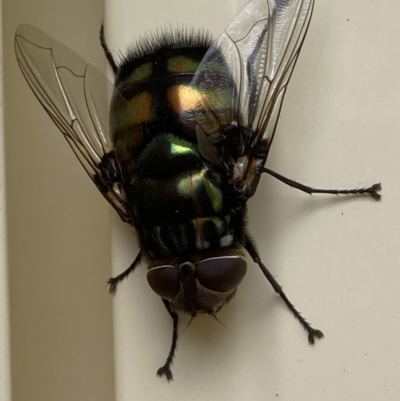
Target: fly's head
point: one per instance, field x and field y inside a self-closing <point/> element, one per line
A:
<point x="201" y="284"/>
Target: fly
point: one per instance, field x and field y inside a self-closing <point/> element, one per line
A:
<point x="182" y="144"/>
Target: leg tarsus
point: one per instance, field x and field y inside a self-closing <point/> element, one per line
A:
<point x="107" y="51"/>
<point x="312" y="333"/>
<point x="165" y="370"/>
<point x="372" y="190"/>
<point x="114" y="281"/>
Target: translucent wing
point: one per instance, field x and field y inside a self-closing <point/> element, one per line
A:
<point x="243" y="79"/>
<point x="76" y="97"/>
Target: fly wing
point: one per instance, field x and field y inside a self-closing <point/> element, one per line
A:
<point x="250" y="66"/>
<point x="77" y="97"/>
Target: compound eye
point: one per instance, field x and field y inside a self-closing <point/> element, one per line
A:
<point x="221" y="274"/>
<point x="164" y="281"/>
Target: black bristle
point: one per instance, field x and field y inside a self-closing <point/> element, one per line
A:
<point x="163" y="39"/>
<point x="167" y="37"/>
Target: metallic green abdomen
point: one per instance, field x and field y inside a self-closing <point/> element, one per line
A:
<point x="179" y="204"/>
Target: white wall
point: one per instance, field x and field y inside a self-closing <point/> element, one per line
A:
<point x="337" y="258"/>
<point x="58" y="229"/>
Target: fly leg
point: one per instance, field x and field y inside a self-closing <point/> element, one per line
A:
<point x="312" y="333"/>
<point x="165" y="369"/>
<point x="114" y="281"/>
<point x="107" y="51"/>
<point x="372" y="190"/>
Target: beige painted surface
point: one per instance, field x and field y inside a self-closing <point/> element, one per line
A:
<point x="61" y="334"/>
<point x="337" y="258"/>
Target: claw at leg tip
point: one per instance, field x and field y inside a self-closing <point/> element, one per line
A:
<point x="315" y="334"/>
<point x="165" y="371"/>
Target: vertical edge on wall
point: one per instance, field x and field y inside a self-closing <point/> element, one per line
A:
<point x="5" y="377"/>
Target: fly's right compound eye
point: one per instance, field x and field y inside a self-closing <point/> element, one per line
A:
<point x="164" y="281"/>
<point x="221" y="274"/>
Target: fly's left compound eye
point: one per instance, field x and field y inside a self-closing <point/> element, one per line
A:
<point x="164" y="281"/>
<point x="221" y="274"/>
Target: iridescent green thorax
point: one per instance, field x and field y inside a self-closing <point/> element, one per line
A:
<point x="186" y="188"/>
<point x="179" y="203"/>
